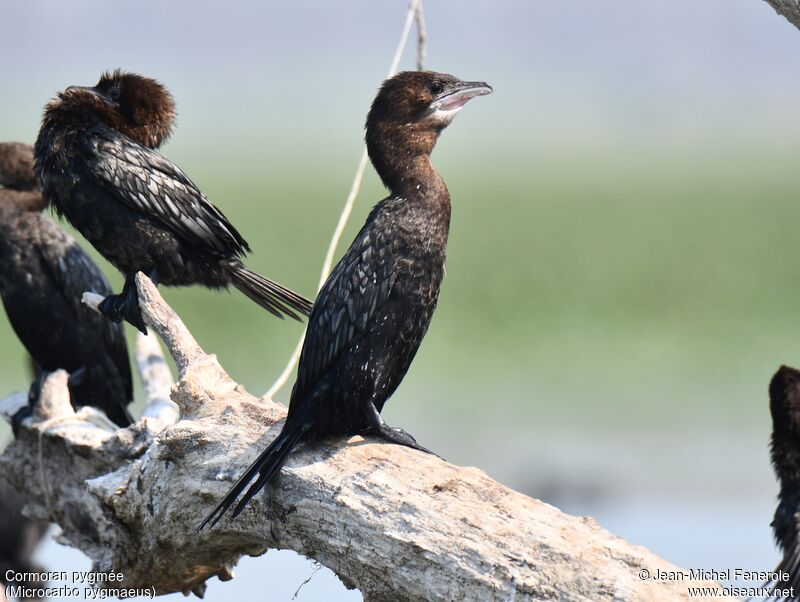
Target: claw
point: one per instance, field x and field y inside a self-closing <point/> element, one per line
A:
<point x="18" y="418"/>
<point x="134" y="316"/>
<point x="123" y="307"/>
<point x="378" y="428"/>
<point x="111" y="308"/>
<point x="77" y="377"/>
<point x="35" y="389"/>
<point x="400" y="437"/>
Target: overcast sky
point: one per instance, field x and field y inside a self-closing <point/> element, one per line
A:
<point x="584" y="68"/>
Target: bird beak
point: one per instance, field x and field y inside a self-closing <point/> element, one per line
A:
<point x="94" y="92"/>
<point x="458" y="96"/>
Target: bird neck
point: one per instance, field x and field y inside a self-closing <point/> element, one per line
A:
<point x="22" y="201"/>
<point x="76" y="114"/>
<point x="403" y="162"/>
<point x="419" y="180"/>
<point x="786" y="459"/>
<point x="59" y="113"/>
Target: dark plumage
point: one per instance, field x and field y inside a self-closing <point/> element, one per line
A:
<point x="43" y="274"/>
<point x="19" y="536"/>
<point x="95" y="159"/>
<point x="372" y="313"/>
<point x="784" y="402"/>
<point x="16" y="166"/>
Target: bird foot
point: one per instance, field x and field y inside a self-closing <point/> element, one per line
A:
<point x="19" y="417"/>
<point x="123" y="307"/>
<point x="35" y="389"/>
<point x="400" y="437"/>
<point x="77" y="377"/>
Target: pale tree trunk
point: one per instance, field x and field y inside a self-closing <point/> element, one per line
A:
<point x="788" y="8"/>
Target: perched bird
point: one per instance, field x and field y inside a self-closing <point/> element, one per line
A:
<point x="372" y="313"/>
<point x="16" y="168"/>
<point x="97" y="166"/>
<point x="43" y="273"/>
<point x="19" y="538"/>
<point x="784" y="403"/>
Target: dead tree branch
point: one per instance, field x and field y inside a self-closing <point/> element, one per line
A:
<point x="395" y="523"/>
<point x="788" y="8"/>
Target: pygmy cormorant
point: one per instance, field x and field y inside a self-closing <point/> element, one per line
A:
<point x="98" y="168"/>
<point x="784" y="403"/>
<point x="19" y="538"/>
<point x="43" y="273"/>
<point x="372" y="313"/>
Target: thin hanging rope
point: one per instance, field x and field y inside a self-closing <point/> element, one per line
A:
<point x="422" y="38"/>
<point x="44" y="428"/>
<point x="414" y="13"/>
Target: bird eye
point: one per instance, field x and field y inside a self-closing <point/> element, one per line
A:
<point x="113" y="93"/>
<point x="436" y="88"/>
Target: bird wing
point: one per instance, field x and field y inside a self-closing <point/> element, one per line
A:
<point x="75" y="273"/>
<point x="151" y="184"/>
<point x="357" y="288"/>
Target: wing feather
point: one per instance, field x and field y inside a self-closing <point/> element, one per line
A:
<point x="151" y="184"/>
<point x="357" y="288"/>
<point x="75" y="273"/>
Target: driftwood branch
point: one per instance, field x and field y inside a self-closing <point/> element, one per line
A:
<point x="394" y="523"/>
<point x="157" y="380"/>
<point x="788" y="8"/>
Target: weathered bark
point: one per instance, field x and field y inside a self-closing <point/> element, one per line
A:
<point x="788" y="8"/>
<point x="393" y="522"/>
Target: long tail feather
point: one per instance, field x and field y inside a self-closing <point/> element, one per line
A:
<point x="119" y="415"/>
<point x="274" y="297"/>
<point x="789" y="565"/>
<point x="266" y="465"/>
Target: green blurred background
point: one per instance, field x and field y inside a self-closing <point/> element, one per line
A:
<point x="622" y="275"/>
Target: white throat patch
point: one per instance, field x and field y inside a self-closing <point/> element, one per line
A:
<point x="443" y="116"/>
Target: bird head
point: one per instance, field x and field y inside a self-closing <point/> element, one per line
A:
<point x="423" y="100"/>
<point x="410" y="111"/>
<point x="16" y="166"/>
<point x="784" y="400"/>
<point x="139" y="107"/>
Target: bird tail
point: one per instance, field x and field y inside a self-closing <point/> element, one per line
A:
<point x="86" y="391"/>
<point x="275" y="298"/>
<point x="266" y="465"/>
<point x="119" y="415"/>
<point x="786" y="577"/>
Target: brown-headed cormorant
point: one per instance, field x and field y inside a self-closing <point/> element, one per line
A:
<point x="19" y="538"/>
<point x="784" y="404"/>
<point x="98" y="168"/>
<point x="43" y="274"/>
<point x="372" y="313"/>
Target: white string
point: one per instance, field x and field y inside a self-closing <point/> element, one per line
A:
<point x="422" y="37"/>
<point x="43" y="428"/>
